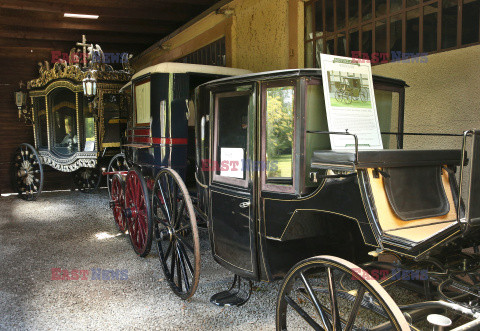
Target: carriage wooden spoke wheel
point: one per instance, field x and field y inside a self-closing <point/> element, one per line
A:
<point x="363" y="95"/>
<point x="339" y="95"/>
<point x="117" y="163"/>
<point x="117" y="202"/>
<point x="329" y="293"/>
<point x="138" y="212"/>
<point x="87" y="180"/>
<point x="176" y="233"/>
<point x="27" y="172"/>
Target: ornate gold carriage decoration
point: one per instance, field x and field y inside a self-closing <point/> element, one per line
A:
<point x="77" y="116"/>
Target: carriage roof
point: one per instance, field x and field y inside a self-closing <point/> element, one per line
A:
<point x="174" y="67"/>
<point x="352" y="78"/>
<point x="291" y="73"/>
<point x="124" y="87"/>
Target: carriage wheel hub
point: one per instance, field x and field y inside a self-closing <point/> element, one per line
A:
<point x="26" y="172"/>
<point x="85" y="175"/>
<point x="167" y="234"/>
<point x="129" y="213"/>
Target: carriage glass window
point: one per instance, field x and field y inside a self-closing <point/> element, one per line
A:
<point x="113" y="121"/>
<point x="62" y="107"/>
<point x="316" y="120"/>
<point x="88" y="142"/>
<point x="279" y="134"/>
<point x="231" y="137"/>
<point x="142" y="103"/>
<point x="41" y="121"/>
<point x="388" y="105"/>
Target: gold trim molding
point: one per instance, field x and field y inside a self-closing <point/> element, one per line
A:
<point x="75" y="73"/>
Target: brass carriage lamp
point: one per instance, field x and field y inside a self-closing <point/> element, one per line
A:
<point x="20" y="101"/>
<point x="90" y="86"/>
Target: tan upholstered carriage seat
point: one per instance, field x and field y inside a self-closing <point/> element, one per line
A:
<point x="411" y="189"/>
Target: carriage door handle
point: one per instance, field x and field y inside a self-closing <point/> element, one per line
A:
<point x="244" y="204"/>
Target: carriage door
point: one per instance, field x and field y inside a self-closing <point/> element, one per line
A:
<point x="232" y="216"/>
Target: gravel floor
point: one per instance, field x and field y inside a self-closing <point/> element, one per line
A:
<point x="71" y="230"/>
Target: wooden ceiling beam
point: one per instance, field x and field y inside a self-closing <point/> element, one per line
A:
<point x="84" y="25"/>
<point x="75" y="35"/>
<point x="49" y="16"/>
<point x="40" y="54"/>
<point x="63" y="46"/>
<point x="153" y="4"/>
<point x="170" y="14"/>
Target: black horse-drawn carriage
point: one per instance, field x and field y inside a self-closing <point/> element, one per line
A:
<point x="279" y="203"/>
<point x="160" y="135"/>
<point x="75" y="111"/>
<point x="350" y="89"/>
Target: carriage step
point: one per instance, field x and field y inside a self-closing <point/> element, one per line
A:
<point x="238" y="294"/>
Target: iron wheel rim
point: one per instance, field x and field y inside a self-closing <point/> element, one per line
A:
<point x="365" y="291"/>
<point x="117" y="163"/>
<point x="137" y="213"/>
<point x="117" y="197"/>
<point x="176" y="233"/>
<point x="27" y="173"/>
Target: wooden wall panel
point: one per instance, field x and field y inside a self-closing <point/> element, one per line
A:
<point x="12" y="131"/>
<point x="31" y="29"/>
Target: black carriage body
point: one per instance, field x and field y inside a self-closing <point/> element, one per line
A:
<point x="160" y="130"/>
<point x="259" y="226"/>
<point x="70" y="132"/>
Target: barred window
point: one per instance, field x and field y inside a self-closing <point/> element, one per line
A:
<point x="388" y="30"/>
<point x="212" y="54"/>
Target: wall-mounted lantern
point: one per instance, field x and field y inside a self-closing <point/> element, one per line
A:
<point x="90" y="86"/>
<point x="21" y="102"/>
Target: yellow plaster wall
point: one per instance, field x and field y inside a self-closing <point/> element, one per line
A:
<point x="301" y="35"/>
<point x="260" y="34"/>
<point x="257" y="34"/>
<point x="175" y="47"/>
<point x="443" y="95"/>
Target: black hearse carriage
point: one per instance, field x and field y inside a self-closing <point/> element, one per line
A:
<point x="77" y="122"/>
<point x="159" y="135"/>
<point x="279" y="203"/>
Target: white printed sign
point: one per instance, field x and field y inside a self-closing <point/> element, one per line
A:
<point x="233" y="157"/>
<point x="350" y="102"/>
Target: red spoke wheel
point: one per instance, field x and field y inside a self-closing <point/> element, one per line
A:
<point x="313" y="296"/>
<point x="176" y="233"/>
<point x="117" y="202"/>
<point x="138" y="212"/>
<point x="117" y="163"/>
<point x="27" y="172"/>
